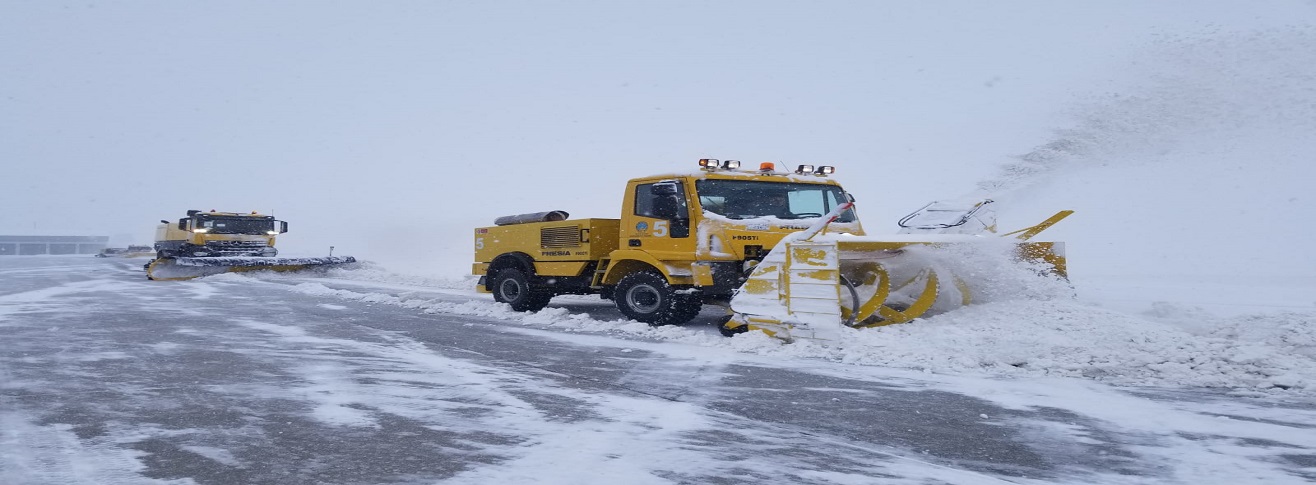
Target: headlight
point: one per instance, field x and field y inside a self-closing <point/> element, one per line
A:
<point x="201" y="230"/>
<point x="272" y="233"/>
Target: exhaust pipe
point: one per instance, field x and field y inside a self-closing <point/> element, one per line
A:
<point x="549" y="216"/>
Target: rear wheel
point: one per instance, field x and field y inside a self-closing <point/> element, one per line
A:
<point x="512" y="286"/>
<point x="648" y="298"/>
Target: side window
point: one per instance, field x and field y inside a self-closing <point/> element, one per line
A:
<point x="670" y="207"/>
<point x="833" y="200"/>
<point x="649" y="204"/>
<point x="644" y="200"/>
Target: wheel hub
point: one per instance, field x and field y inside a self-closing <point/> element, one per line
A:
<point x="509" y="289"/>
<point x="643" y="298"/>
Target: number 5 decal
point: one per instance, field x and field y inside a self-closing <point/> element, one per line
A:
<point x="479" y="243"/>
<point x="660" y="229"/>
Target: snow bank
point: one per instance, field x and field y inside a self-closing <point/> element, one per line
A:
<point x="363" y="271"/>
<point x="1064" y="338"/>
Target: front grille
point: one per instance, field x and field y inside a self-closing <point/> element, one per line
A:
<point x="236" y="248"/>
<point x="559" y="237"/>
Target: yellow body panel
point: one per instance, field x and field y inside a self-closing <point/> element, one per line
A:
<point x="570" y="241"/>
<point x="570" y="268"/>
<point x="627" y="261"/>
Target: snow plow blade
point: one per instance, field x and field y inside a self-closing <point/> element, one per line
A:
<point x="814" y="286"/>
<point x="173" y="269"/>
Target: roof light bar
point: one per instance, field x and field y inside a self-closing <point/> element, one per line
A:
<point x="767" y="167"/>
<point x="825" y="170"/>
<point x="711" y="164"/>
<point x="804" y="169"/>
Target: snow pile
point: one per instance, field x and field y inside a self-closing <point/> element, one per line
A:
<point x="990" y="269"/>
<point x="1064" y="338"/>
<point x="369" y="271"/>
<point x="372" y="272"/>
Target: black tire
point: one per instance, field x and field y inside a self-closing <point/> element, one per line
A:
<point x="687" y="308"/>
<point x="647" y="297"/>
<point x="512" y="286"/>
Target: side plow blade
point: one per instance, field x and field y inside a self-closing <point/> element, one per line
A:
<point x="174" y="269"/>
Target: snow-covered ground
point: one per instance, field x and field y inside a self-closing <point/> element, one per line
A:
<point x="1268" y="354"/>
<point x="362" y="376"/>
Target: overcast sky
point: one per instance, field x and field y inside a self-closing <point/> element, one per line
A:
<point x="390" y="129"/>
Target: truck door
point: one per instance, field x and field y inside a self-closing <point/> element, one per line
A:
<point x="659" y="221"/>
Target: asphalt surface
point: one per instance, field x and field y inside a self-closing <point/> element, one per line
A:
<point x="106" y="377"/>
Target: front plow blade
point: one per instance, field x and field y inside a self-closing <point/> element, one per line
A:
<point x="816" y="288"/>
<point x="173" y="269"/>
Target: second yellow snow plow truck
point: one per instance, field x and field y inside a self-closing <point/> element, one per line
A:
<point x="784" y="250"/>
<point x="207" y="243"/>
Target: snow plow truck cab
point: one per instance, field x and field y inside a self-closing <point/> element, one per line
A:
<point x="209" y="234"/>
<point x="207" y="243"/>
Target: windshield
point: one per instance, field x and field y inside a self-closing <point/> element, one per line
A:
<point x="236" y="225"/>
<point x="746" y="199"/>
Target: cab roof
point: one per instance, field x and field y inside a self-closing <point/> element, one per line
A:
<point x="226" y="214"/>
<point x="753" y="175"/>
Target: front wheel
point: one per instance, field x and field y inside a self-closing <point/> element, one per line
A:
<point x="648" y="298"/>
<point x="512" y="286"/>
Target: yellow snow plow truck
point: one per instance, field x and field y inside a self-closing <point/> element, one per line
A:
<point x="208" y="243"/>
<point x="783" y="250"/>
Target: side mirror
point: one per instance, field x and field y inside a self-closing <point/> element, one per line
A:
<point x="162" y="221"/>
<point x="849" y="197"/>
<point x="666" y="187"/>
<point x="283" y="227"/>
